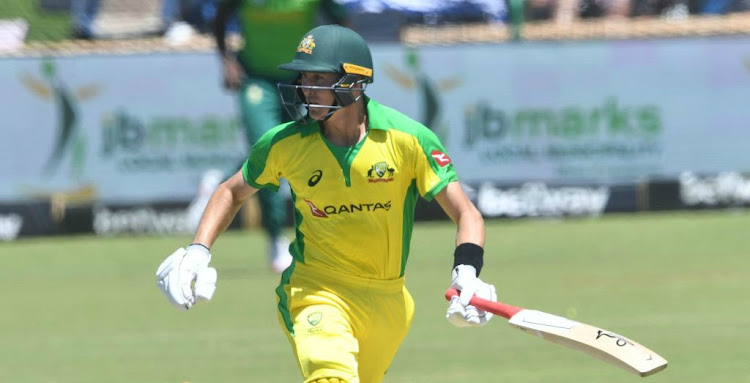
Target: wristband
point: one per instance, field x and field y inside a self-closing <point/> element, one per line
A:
<point x="469" y="254"/>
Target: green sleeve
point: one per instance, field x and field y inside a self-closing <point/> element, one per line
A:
<point x="258" y="168"/>
<point x="433" y="159"/>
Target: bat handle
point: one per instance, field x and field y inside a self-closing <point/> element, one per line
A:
<point x="498" y="308"/>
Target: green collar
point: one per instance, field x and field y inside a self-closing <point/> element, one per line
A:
<point x="375" y="116"/>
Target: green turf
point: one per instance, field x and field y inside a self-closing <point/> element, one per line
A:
<point x="85" y="309"/>
<point x="44" y="25"/>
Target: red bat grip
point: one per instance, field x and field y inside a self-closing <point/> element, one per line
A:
<point x="498" y="308"/>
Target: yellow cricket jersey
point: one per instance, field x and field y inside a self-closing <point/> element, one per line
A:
<point x="353" y="206"/>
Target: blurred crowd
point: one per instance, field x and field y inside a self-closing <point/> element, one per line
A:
<point x="563" y="11"/>
<point x="196" y="13"/>
<point x="382" y="14"/>
<point x="377" y="20"/>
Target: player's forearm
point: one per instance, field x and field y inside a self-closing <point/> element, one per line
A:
<point x="219" y="213"/>
<point x="470" y="227"/>
<point x="469" y="240"/>
<point x="469" y="222"/>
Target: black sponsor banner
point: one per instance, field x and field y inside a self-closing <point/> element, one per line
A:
<point x="689" y="191"/>
<point x="33" y="218"/>
<point x="156" y="218"/>
<point x="536" y="199"/>
<point x="694" y="191"/>
<point x="159" y="218"/>
<point x="37" y="218"/>
<point x="429" y="211"/>
<point x="662" y="195"/>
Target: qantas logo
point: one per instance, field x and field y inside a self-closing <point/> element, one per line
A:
<point x="315" y="211"/>
<point x="351" y="208"/>
<point x="441" y="158"/>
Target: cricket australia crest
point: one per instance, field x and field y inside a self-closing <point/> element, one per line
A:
<point x="380" y="172"/>
<point x="314" y="320"/>
<point x="306" y="45"/>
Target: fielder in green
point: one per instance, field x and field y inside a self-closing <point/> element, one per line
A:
<point x="266" y="26"/>
<point x="356" y="169"/>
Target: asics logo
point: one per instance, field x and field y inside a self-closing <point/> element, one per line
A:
<point x="317" y="175"/>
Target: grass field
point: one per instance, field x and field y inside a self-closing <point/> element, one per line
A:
<point x="86" y="309"/>
<point x="43" y="25"/>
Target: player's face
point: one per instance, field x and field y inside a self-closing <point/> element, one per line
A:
<point x="318" y="96"/>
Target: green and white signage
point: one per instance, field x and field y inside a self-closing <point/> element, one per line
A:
<point x="587" y="112"/>
<point x="115" y="128"/>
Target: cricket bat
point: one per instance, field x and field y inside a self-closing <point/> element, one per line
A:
<point x="599" y="343"/>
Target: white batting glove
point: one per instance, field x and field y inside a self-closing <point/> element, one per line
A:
<point x="460" y="312"/>
<point x="176" y="274"/>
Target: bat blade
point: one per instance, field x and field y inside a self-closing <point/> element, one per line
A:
<point x="599" y="343"/>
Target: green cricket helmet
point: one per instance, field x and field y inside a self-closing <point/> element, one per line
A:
<point x="328" y="49"/>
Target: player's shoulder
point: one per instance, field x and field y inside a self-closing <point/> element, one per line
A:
<point x="408" y="131"/>
<point x="390" y="118"/>
<point x="281" y="132"/>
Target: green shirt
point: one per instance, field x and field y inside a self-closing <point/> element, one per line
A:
<point x="354" y="206"/>
<point x="272" y="29"/>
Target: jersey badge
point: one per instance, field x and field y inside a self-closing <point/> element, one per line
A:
<point x="441" y="158"/>
<point x="380" y="172"/>
<point x="314" y="318"/>
<point x="306" y="45"/>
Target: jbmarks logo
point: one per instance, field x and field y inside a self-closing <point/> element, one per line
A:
<point x="441" y="158"/>
<point x="70" y="141"/>
<point x="351" y="208"/>
<point x="378" y="172"/>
